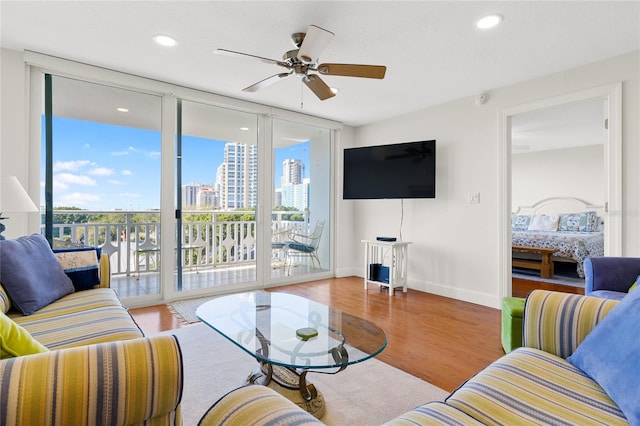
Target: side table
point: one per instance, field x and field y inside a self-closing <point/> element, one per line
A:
<point x="385" y="264"/>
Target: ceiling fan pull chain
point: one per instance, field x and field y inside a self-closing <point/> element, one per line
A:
<point x="301" y="94"/>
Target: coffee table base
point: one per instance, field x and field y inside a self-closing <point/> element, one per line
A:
<point x="292" y="386"/>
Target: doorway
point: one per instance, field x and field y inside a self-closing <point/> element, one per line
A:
<point x="610" y="96"/>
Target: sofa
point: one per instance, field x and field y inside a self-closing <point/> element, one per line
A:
<point x="81" y="359"/>
<point x="610" y="277"/>
<point x="559" y="376"/>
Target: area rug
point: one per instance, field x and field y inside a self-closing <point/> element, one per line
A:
<point x="368" y="393"/>
<point x="185" y="310"/>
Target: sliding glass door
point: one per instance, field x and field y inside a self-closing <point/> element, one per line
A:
<point x="300" y="221"/>
<point x="216" y="197"/>
<point x="184" y="196"/>
<point x="100" y="175"/>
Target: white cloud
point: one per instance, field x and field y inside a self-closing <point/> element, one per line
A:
<point x="59" y="186"/>
<point x="77" y="199"/>
<point x="101" y="171"/>
<point x="116" y="182"/>
<point x="154" y="153"/>
<point x="69" y="178"/>
<point x="70" y="166"/>
<point x="127" y="172"/>
<point x="129" y="195"/>
<point x="119" y="153"/>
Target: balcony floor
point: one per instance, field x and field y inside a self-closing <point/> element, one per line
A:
<point x="149" y="283"/>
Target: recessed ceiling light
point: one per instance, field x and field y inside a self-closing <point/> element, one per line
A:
<point x="488" y="21"/>
<point x="165" y="40"/>
<point x="244" y="128"/>
<point x="121" y="109"/>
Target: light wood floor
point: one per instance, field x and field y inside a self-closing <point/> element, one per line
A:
<point x="441" y="340"/>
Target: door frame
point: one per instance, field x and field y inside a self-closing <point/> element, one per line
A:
<point x="612" y="95"/>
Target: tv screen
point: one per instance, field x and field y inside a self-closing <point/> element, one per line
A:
<point x="404" y="170"/>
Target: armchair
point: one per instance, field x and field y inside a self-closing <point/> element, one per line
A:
<point x="610" y="277"/>
<point x="304" y="245"/>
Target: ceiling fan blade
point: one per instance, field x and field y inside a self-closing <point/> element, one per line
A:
<point x="266" y="82"/>
<point x="315" y="41"/>
<point x="318" y="87"/>
<point x="246" y="55"/>
<point x="352" y="70"/>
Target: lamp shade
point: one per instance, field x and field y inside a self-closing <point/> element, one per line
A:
<point x="13" y="197"/>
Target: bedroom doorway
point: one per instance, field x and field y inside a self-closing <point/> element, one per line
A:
<point x="520" y="127"/>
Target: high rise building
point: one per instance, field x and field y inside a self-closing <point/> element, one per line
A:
<point x="291" y="172"/>
<point x="190" y="195"/>
<point x="207" y="197"/>
<point x="237" y="177"/>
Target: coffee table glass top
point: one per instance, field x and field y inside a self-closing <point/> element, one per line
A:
<point x="292" y="331"/>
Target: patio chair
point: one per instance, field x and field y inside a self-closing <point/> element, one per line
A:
<point x="304" y="245"/>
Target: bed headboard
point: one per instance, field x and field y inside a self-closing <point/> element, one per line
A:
<point x="556" y="205"/>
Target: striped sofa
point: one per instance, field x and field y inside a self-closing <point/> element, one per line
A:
<point x="532" y="385"/>
<point x="100" y="368"/>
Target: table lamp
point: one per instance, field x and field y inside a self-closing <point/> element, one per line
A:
<point x="13" y="199"/>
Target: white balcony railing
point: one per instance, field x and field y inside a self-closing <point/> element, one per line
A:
<point x="132" y="238"/>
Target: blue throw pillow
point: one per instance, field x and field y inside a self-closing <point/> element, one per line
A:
<point x="610" y="355"/>
<point x="31" y="274"/>
<point x="81" y="265"/>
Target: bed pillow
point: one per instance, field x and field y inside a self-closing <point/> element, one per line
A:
<point x="520" y="222"/>
<point x="31" y="274"/>
<point x="543" y="222"/>
<point x="609" y="355"/>
<point x="81" y="265"/>
<point x="578" y="222"/>
<point x="16" y="341"/>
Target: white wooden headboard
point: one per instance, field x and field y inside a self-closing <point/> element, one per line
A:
<point x="555" y="205"/>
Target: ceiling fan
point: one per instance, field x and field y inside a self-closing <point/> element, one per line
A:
<point x="304" y="59"/>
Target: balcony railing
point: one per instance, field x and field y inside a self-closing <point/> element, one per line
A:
<point x="132" y="238"/>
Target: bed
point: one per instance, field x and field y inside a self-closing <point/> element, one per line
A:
<point x="571" y="226"/>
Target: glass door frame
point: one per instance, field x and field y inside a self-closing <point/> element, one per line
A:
<point x="39" y="64"/>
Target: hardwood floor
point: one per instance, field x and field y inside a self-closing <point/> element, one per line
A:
<point x="441" y="340"/>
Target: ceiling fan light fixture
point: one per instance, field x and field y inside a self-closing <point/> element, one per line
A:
<point x="489" y="21"/>
<point x="165" y="40"/>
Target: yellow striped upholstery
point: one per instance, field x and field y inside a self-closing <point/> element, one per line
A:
<point x="81" y="318"/>
<point x="105" y="271"/>
<point x="533" y="385"/>
<point x="558" y="322"/>
<point x="119" y="383"/>
<point x="529" y="386"/>
<point x="5" y="303"/>
<point x="256" y="405"/>
<point x="434" y="413"/>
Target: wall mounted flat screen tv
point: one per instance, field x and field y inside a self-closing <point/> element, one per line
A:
<point x="404" y="170"/>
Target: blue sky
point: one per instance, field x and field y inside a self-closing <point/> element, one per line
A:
<point x="104" y="167"/>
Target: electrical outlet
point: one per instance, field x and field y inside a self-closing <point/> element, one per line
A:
<point x="474" y="198"/>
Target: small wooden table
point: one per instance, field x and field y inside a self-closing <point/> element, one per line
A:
<point x="544" y="265"/>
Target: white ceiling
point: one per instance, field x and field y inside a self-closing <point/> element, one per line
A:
<point x="566" y="126"/>
<point x="432" y="50"/>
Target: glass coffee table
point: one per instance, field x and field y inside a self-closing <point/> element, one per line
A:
<point x="291" y="336"/>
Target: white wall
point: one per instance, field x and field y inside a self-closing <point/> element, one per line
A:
<point x="14" y="147"/>
<point x="571" y="172"/>
<point x="455" y="249"/>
